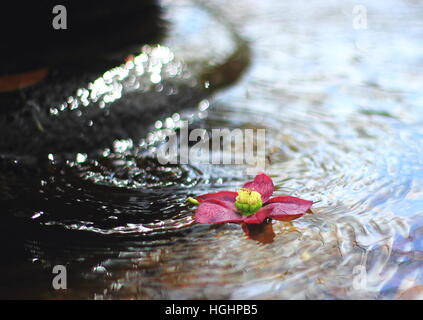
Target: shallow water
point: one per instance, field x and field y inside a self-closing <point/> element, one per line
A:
<point x="341" y="111"/>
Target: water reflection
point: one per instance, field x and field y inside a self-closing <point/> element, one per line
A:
<point x="262" y="233"/>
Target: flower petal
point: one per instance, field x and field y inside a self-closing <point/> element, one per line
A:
<point x="286" y="208"/>
<point x="257" y="217"/>
<point x="263" y="184"/>
<point x="217" y="211"/>
<point x="223" y="195"/>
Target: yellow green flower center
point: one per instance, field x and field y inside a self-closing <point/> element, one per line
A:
<point x="248" y="202"/>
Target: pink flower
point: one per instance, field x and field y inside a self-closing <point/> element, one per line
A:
<point x="252" y="204"/>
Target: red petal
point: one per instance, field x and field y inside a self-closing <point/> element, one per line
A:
<point x="262" y="184"/>
<point x="224" y="195"/>
<point x="257" y="217"/>
<point x="217" y="211"/>
<point x="286" y="208"/>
